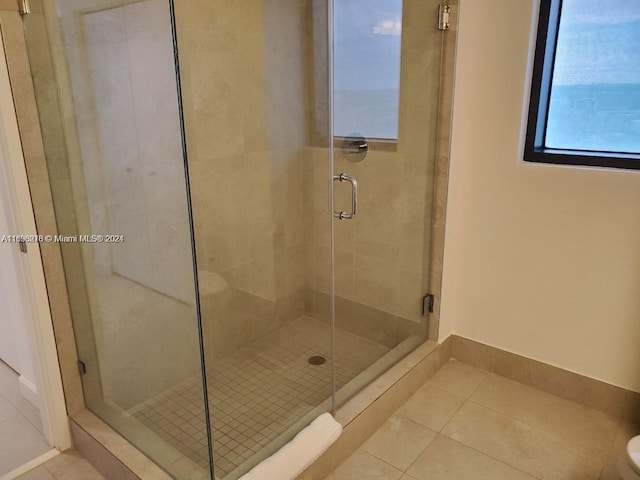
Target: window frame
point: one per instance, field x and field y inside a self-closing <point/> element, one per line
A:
<point x="540" y="95"/>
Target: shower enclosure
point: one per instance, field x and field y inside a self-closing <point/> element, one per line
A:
<point x="249" y="185"/>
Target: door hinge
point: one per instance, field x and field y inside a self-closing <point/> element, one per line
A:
<point x="427" y="303"/>
<point x="23" y="246"/>
<point x="24" y="7"/>
<point x="444" y="15"/>
<point x="82" y="368"/>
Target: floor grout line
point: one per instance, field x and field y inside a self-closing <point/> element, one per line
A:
<point x="490" y="456"/>
<point x="571" y="447"/>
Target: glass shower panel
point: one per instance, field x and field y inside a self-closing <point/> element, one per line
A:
<point x="382" y="254"/>
<point x="105" y="80"/>
<point x="298" y="309"/>
<point x="248" y="70"/>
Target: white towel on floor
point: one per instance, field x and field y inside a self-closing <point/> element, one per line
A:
<point x="289" y="462"/>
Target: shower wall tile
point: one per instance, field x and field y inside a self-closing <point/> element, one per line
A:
<point x="241" y="15"/>
<point x="267" y="181"/>
<point x="168" y="227"/>
<point x="252" y="105"/>
<point x="220" y="204"/>
<point x="377" y="229"/>
<point x="9" y="5"/>
<point x="245" y="319"/>
<point x="368" y="322"/>
<point x="371" y="323"/>
<point x="376" y="283"/>
<point x="344" y="270"/>
<point x="415" y="228"/>
<point x="128" y="217"/>
<point x="410" y="294"/>
<point x="284" y="51"/>
<point x="128" y="366"/>
<point x="244" y="89"/>
<point x="227" y="330"/>
<point x="256" y="276"/>
<point x="130" y="139"/>
<point x="215" y="128"/>
<point x="149" y="47"/>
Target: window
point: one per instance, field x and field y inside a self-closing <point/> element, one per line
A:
<point x="367" y="36"/>
<point x="585" y="94"/>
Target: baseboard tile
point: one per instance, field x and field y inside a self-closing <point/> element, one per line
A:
<point x="587" y="391"/>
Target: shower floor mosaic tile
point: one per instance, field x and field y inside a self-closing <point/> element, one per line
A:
<point x="257" y="393"/>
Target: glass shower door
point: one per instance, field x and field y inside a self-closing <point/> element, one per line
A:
<point x="291" y="111"/>
<point x="386" y="71"/>
<point x="249" y="72"/>
<point x="105" y="83"/>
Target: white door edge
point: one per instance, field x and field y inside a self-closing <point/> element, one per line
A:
<point x="39" y="323"/>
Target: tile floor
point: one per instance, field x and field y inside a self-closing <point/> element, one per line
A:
<point x="69" y="465"/>
<point x="256" y="394"/>
<point x="466" y="423"/>
<point x="21" y="438"/>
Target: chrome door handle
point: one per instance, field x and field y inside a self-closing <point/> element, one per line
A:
<point x="343" y="177"/>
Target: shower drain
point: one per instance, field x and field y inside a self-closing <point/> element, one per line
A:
<point x="317" y="360"/>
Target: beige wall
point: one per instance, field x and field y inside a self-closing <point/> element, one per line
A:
<point x="541" y="261"/>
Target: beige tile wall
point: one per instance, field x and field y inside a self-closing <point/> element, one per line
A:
<point x="9" y="5"/>
<point x="244" y="88"/>
<point x="123" y="81"/>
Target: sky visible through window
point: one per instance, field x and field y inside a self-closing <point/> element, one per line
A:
<point x="367" y="36"/>
<point x="595" y="95"/>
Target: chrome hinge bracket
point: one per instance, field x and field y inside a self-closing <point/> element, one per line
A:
<point x="23" y="246"/>
<point x="444" y="16"/>
<point x="82" y="368"/>
<point x="428" y="302"/>
<point x="24" y="7"/>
